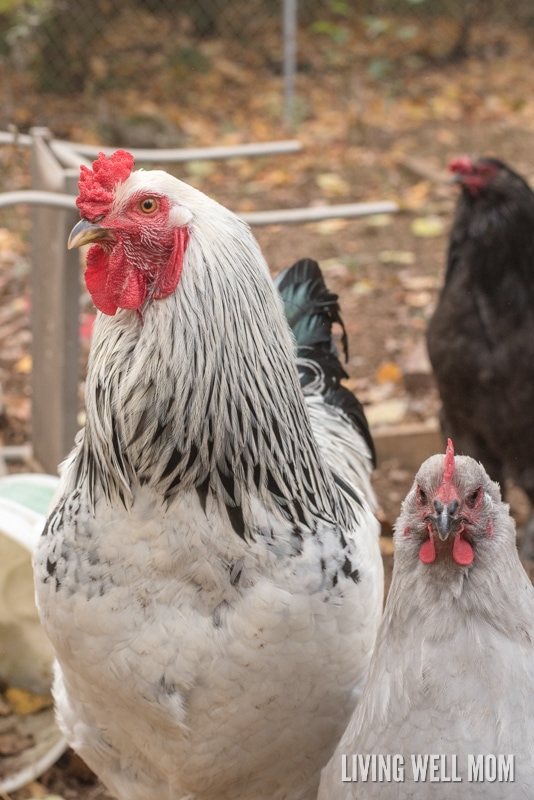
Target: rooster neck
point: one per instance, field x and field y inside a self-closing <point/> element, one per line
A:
<point x="203" y="394"/>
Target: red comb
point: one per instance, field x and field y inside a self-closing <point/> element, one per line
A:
<point x="448" y="470"/>
<point x="97" y="185"/>
<point x="462" y="165"/>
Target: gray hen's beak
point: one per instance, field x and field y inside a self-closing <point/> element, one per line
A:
<point x="445" y="517"/>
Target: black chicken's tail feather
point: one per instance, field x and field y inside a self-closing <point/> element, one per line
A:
<point x="311" y="310"/>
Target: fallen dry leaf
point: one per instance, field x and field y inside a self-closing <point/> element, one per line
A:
<point x="397" y="257"/>
<point x="332" y="185"/>
<point x="388" y="412"/>
<point x="37" y="790"/>
<point x="417" y="299"/>
<point x="24" y="702"/>
<point x="24" y="364"/>
<point x="418" y="283"/>
<point x="416" y="197"/>
<point x="428" y="226"/>
<point x="47" y="797"/>
<point x="388" y="372"/>
<point x="378" y="220"/>
<point x="326" y="227"/>
<point x="363" y="287"/>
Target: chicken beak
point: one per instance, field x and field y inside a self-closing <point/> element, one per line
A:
<point x="445" y="518"/>
<point x="85" y="232"/>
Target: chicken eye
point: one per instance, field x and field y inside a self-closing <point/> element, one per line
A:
<point x="148" y="205"/>
<point x="422" y="496"/>
<point x="471" y="499"/>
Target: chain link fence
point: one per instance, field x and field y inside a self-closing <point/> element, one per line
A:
<point x="70" y="46"/>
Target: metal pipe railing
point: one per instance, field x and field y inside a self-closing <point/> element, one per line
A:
<point x="277" y="217"/>
<point x="168" y="156"/>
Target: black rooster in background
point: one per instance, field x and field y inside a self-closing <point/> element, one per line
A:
<point x="481" y="337"/>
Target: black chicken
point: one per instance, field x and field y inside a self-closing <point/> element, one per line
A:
<point x="481" y="337"/>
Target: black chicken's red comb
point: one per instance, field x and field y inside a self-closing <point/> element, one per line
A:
<point x="97" y="185"/>
<point x="463" y="165"/>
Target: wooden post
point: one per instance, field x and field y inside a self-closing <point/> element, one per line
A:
<point x="55" y="314"/>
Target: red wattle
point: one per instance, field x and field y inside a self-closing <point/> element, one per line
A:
<point x="112" y="282"/>
<point x="96" y="274"/>
<point x="427" y="551"/>
<point x="462" y="552"/>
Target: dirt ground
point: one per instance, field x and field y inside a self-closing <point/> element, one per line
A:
<point x="362" y="140"/>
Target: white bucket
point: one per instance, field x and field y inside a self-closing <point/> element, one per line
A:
<point x="26" y="656"/>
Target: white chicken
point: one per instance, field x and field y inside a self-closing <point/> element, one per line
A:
<point x="210" y="577"/>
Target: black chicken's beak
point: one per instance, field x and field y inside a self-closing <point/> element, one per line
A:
<point x="85" y="232"/>
<point x="445" y="517"/>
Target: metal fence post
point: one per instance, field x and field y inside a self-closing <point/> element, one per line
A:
<point x="289" y="25"/>
<point x="55" y="314"/>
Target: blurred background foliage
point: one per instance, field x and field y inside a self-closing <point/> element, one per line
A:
<point x="131" y="67"/>
<point x="56" y="40"/>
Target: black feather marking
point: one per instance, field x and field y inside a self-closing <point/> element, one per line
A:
<point x="160" y="429"/>
<point x="140" y="427"/>
<point x="306" y="474"/>
<point x="301" y="517"/>
<point x="122" y="498"/>
<point x="211" y="443"/>
<point x="236" y="571"/>
<point x="276" y="431"/>
<point x="193" y="455"/>
<point x="172" y="464"/>
<point x="50" y="567"/>
<point x="228" y="482"/>
<point x="353" y="574"/>
<point x="202" y="491"/>
<point x="180" y="475"/>
<point x="347" y="488"/>
<point x="245" y="462"/>
<point x="257" y="476"/>
<point x="235" y="515"/>
<point x="274" y="489"/>
<point x="167" y="688"/>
